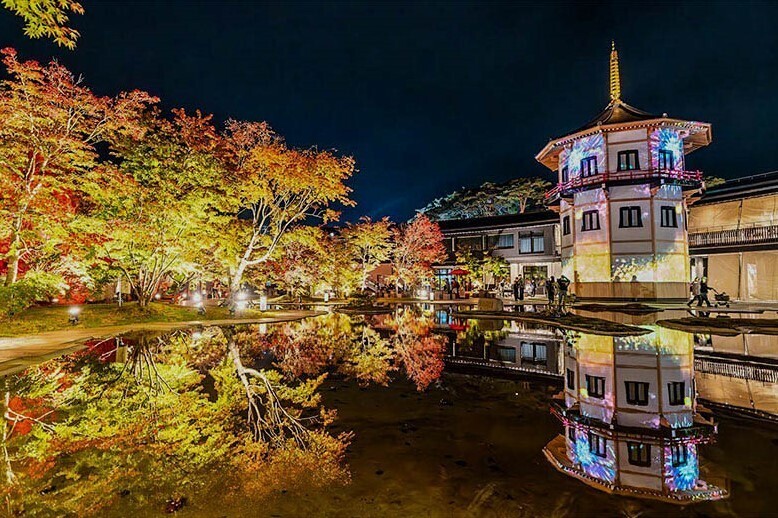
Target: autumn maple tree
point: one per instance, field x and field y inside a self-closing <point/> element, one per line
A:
<point x="369" y="243"/>
<point x="269" y="188"/>
<point x="47" y="18"/>
<point x="50" y="125"/>
<point x="417" y="245"/>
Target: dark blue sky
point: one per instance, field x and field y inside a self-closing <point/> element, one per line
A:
<point x="430" y="97"/>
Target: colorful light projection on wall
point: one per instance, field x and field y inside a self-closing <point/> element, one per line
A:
<point x="601" y="468"/>
<point x="683" y="476"/>
<point x="663" y="268"/>
<point x="592" y="146"/>
<point x="666" y="139"/>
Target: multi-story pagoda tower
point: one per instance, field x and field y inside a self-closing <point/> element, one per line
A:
<point x="622" y="194"/>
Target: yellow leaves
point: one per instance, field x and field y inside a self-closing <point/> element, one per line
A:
<point x="47" y="18"/>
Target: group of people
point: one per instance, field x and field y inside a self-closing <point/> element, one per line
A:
<point x="699" y="292"/>
<point x="556" y="289"/>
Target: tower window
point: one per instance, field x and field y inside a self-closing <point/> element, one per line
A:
<point x="570" y="379"/>
<point x="591" y="220"/>
<point x="571" y="433"/>
<point x="669" y="217"/>
<point x="679" y="455"/>
<point x="639" y="454"/>
<point x="665" y="160"/>
<point x="565" y="174"/>
<point x="637" y="393"/>
<point x="628" y="160"/>
<point x="595" y="386"/>
<point x="597" y="444"/>
<point x="676" y="391"/>
<point x="566" y="226"/>
<point x="589" y="166"/>
<point x="630" y="217"/>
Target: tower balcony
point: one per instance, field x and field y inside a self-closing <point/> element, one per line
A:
<point x="687" y="179"/>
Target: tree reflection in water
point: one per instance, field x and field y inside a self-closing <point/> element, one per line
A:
<point x="140" y="420"/>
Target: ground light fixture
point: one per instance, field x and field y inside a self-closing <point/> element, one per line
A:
<point x="73" y="315"/>
<point x="263" y="302"/>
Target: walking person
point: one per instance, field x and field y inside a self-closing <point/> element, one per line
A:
<point x="704" y="289"/>
<point x="562" y="285"/>
<point x="515" y="287"/>
<point x="521" y="287"/>
<point x="694" y="289"/>
<point x="550" y="290"/>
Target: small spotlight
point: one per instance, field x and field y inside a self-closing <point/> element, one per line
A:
<point x="157" y="296"/>
<point x="197" y="335"/>
<point x="73" y="314"/>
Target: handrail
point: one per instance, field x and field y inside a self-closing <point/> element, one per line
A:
<point x="734" y="236"/>
<point x="643" y="174"/>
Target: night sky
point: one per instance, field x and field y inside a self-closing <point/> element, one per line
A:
<point x="430" y="97"/>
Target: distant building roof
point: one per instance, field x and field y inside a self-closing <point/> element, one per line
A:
<point x="538" y="217"/>
<point x="747" y="186"/>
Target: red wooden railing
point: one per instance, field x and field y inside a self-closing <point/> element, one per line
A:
<point x="575" y="183"/>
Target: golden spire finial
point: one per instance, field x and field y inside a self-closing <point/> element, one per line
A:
<point x="614" y="73"/>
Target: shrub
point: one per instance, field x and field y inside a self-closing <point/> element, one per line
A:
<point x="34" y="286"/>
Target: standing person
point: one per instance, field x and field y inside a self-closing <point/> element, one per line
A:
<point x="703" y="297"/>
<point x="533" y="286"/>
<point x="447" y="287"/>
<point x="562" y="284"/>
<point x="550" y="288"/>
<point x="515" y="287"/>
<point x="521" y="288"/>
<point x="694" y="289"/>
<point x="455" y="287"/>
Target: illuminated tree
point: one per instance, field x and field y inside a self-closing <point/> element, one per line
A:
<point x="370" y="243"/>
<point x="418" y="349"/>
<point x="47" y="18"/>
<point x="417" y="245"/>
<point x="50" y="124"/>
<point x="270" y="188"/>
<point x="154" y="217"/>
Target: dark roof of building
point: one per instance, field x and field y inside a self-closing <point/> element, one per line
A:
<point x="617" y="112"/>
<point x="496" y="222"/>
<point x="747" y="186"/>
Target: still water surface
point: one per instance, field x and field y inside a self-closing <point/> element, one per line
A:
<point x="148" y="425"/>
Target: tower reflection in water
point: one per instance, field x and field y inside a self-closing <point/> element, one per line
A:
<point x="631" y="422"/>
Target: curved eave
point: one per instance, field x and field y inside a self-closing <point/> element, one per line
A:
<point x="698" y="135"/>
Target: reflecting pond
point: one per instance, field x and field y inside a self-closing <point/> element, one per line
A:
<point x="412" y="413"/>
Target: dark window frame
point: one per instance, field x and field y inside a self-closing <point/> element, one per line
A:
<point x="679" y="454"/>
<point x="630" y="217"/>
<point x="676" y="392"/>
<point x="571" y="379"/>
<point x="639" y="454"/>
<point x="566" y="230"/>
<point x="590" y="220"/>
<point x="565" y="174"/>
<point x="595" y="386"/>
<point x="631" y="160"/>
<point x="493" y="240"/>
<point x="665" y="160"/>
<point x="668" y="216"/>
<point x="586" y="167"/>
<point x="571" y="433"/>
<point x="532" y="236"/>
<point x="598" y="445"/>
<point x="636" y="392"/>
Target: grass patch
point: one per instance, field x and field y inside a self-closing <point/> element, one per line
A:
<point x="51" y="318"/>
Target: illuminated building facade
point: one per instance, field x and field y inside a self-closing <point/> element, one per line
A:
<point x="622" y="197"/>
<point x="629" y="415"/>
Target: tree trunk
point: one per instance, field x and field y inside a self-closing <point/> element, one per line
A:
<point x="12" y="273"/>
